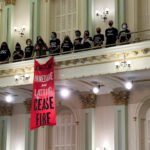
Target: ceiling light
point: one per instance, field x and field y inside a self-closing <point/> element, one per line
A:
<point x="27" y="76"/>
<point x="128" y="85"/>
<point x="16" y="77"/>
<point x="95" y="90"/>
<point x="8" y="99"/>
<point x="65" y="93"/>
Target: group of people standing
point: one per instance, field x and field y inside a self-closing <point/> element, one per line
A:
<point x="56" y="47"/>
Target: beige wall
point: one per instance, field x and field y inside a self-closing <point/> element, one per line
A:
<point x="22" y="17"/>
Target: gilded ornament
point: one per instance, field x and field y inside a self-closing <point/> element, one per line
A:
<point x="5" y="109"/>
<point x="10" y="2"/>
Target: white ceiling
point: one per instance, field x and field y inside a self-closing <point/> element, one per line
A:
<point x="141" y="80"/>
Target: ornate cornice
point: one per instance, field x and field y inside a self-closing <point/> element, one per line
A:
<point x="121" y="97"/>
<point x="27" y="104"/>
<point x="88" y="101"/>
<point x="10" y="2"/>
<point x="5" y="109"/>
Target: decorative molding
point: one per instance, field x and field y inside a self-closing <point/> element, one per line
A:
<point x="88" y="100"/>
<point x="10" y="2"/>
<point x="27" y="104"/>
<point x="6" y="109"/>
<point x="121" y="97"/>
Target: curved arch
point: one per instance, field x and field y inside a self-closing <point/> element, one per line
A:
<point x="140" y="113"/>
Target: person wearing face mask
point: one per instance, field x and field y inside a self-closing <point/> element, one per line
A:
<point x="111" y="34"/>
<point x="77" y="42"/>
<point x="40" y="47"/>
<point x="124" y="34"/>
<point x="18" y="53"/>
<point x="87" y="40"/>
<point x="29" y="49"/>
<point x="54" y="43"/>
<point x="4" y="52"/>
<point x="98" y="38"/>
<point x="67" y="45"/>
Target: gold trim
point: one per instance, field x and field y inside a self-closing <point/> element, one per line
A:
<point x="5" y="109"/>
<point x="85" y="82"/>
<point x="10" y="2"/>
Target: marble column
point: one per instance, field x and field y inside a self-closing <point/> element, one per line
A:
<point x="34" y="19"/>
<point x="8" y="24"/>
<point x="30" y="136"/>
<point x="1" y="33"/>
<point x="5" y="126"/>
<point x="120" y="13"/>
<point x="88" y="121"/>
<point x="121" y="119"/>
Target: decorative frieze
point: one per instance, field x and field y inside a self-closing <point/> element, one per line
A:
<point x="6" y="109"/>
<point x="121" y="97"/>
<point x="88" y="101"/>
<point x="10" y="2"/>
<point x="27" y="104"/>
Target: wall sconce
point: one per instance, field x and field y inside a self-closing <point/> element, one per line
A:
<point x="104" y="15"/>
<point x="20" y="30"/>
<point x="22" y="77"/>
<point x="124" y="64"/>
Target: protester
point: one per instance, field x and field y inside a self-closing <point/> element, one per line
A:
<point x="111" y="34"/>
<point x="87" y="40"/>
<point x="67" y="45"/>
<point x="98" y="38"/>
<point x="78" y="40"/>
<point x="29" y="50"/>
<point x="54" y="44"/>
<point x="18" y="53"/>
<point x="40" y="47"/>
<point x="4" y="52"/>
<point x="124" y="34"/>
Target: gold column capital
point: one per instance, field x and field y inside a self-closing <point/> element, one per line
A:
<point x="121" y="97"/>
<point x="27" y="104"/>
<point x="6" y="109"/>
<point x="88" y="100"/>
<point x="10" y="2"/>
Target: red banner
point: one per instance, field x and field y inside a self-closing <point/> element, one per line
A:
<point x="43" y="96"/>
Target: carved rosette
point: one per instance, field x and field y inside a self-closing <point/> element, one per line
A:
<point x="27" y="104"/>
<point x="88" y="101"/>
<point x="10" y="2"/>
<point x="5" y="109"/>
<point x="121" y="97"/>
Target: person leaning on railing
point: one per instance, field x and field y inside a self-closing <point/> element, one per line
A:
<point x="18" y="54"/>
<point x="124" y="34"/>
<point x="67" y="45"/>
<point x="87" y="40"/>
<point x="54" y="44"/>
<point x="77" y="42"/>
<point x="98" y="39"/>
<point x="40" y="47"/>
<point x="29" y="49"/>
<point x="4" y="52"/>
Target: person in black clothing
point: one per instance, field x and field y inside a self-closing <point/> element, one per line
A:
<point x="87" y="40"/>
<point x="111" y="35"/>
<point x="18" y="53"/>
<point x="40" y="47"/>
<point x="4" y="52"/>
<point x="67" y="45"/>
<point x="98" y="38"/>
<point x="54" y="44"/>
<point x="29" y="50"/>
<point x="124" y="35"/>
<point x="77" y="41"/>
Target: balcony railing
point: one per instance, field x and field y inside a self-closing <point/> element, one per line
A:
<point x="136" y="37"/>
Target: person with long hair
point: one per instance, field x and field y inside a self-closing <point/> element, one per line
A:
<point x="67" y="45"/>
<point x="4" y="52"/>
<point x="40" y="47"/>
<point x="29" y="49"/>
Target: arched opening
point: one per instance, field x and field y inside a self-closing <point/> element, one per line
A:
<point x="63" y="136"/>
<point x="144" y="126"/>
